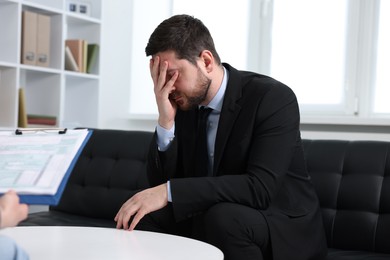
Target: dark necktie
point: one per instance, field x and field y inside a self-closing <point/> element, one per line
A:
<point x="202" y="158"/>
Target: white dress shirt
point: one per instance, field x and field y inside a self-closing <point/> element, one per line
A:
<point x="166" y="136"/>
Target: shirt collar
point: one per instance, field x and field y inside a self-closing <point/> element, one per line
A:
<point x="217" y="101"/>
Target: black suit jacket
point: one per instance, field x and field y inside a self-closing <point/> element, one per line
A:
<point x="258" y="162"/>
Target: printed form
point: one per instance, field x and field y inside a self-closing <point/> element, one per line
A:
<point x="35" y="162"/>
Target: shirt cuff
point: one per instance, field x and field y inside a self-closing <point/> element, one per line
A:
<point x="164" y="137"/>
<point x="169" y="191"/>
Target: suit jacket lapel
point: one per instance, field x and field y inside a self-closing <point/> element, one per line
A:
<point x="229" y="113"/>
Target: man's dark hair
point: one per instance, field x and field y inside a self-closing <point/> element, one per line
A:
<point x="185" y="35"/>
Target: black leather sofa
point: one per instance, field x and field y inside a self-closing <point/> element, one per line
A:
<point x="352" y="179"/>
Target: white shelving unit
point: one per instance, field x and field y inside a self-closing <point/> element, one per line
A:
<point x="72" y="97"/>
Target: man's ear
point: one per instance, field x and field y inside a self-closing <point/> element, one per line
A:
<point x="207" y="60"/>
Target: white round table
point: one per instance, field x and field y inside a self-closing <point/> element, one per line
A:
<point x="59" y="242"/>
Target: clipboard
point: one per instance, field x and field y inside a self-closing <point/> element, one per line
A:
<point x="59" y="144"/>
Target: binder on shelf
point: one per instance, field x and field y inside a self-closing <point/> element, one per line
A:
<point x="70" y="62"/>
<point x="35" y="39"/>
<point x="43" y="40"/>
<point x="29" y="37"/>
<point x="37" y="163"/>
<point x="76" y="46"/>
<point x="93" y="51"/>
<point x="22" y="115"/>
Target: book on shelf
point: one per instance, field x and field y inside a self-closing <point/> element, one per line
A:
<point x="80" y="55"/>
<point x="93" y="50"/>
<point x="85" y="56"/>
<point x="33" y="119"/>
<point x="70" y="62"/>
<point x="76" y="47"/>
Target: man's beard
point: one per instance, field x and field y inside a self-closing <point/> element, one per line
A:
<point x="203" y="83"/>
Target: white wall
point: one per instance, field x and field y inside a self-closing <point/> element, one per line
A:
<point x="116" y="67"/>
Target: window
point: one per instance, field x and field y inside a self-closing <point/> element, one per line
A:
<point x="334" y="54"/>
<point x="308" y="51"/>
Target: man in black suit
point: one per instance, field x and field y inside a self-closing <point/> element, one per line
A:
<point x="254" y="198"/>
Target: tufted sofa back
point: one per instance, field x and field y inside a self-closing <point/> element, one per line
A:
<point x="352" y="179"/>
<point x="111" y="168"/>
